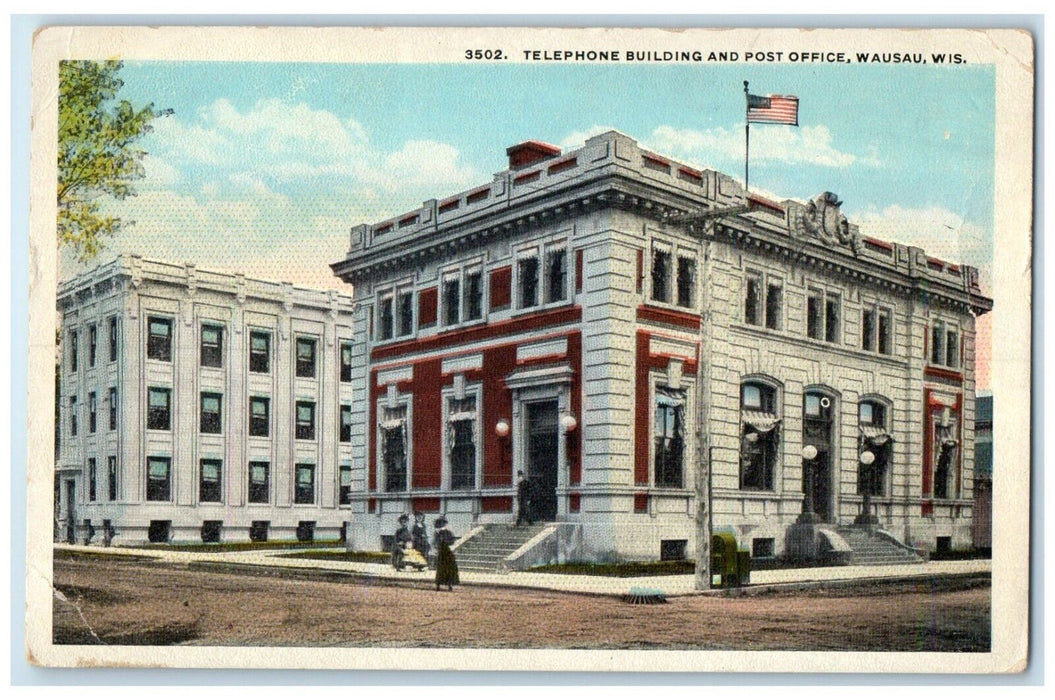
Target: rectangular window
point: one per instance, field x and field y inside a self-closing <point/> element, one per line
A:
<point x="759" y="436"/>
<point x="937" y="343"/>
<point x="669" y="438"/>
<point x="93" y="341"/>
<point x="661" y="276"/>
<point x="209" y="483"/>
<point x="113" y="339"/>
<point x="159" y="402"/>
<point x="92" y="477"/>
<point x="73" y="416"/>
<point x="259" y="416"/>
<point x="259" y="352"/>
<point x="952" y="348"/>
<point x="159" y="479"/>
<point x="774" y="304"/>
<point x="527" y="277"/>
<point x="345" y="495"/>
<point x="305" y="484"/>
<point x="831" y="318"/>
<point x="394" y="448"/>
<point x="159" y="339"/>
<point x="306" y="357"/>
<point x="686" y="282"/>
<point x="211" y="413"/>
<point x="406" y="312"/>
<point x="346" y="362"/>
<point x="868" y="329"/>
<point x="112" y="401"/>
<point x="451" y="301"/>
<point x="305" y="420"/>
<point x="92" y="410"/>
<point x="259" y="482"/>
<point x="815" y="314"/>
<point x="386" y="320"/>
<point x="111" y="477"/>
<point x="474" y="296"/>
<point x="212" y="346"/>
<point x="556" y="275"/>
<point x="346" y="423"/>
<point x="461" y="439"/>
<point x="753" y="299"/>
<point x="885" y="340"/>
<point x="73" y="351"/>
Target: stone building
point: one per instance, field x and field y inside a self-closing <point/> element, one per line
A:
<point x="200" y="406"/>
<point x="557" y="320"/>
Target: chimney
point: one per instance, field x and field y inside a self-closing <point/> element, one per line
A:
<point x="529" y="153"/>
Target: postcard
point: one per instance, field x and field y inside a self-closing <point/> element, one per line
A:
<point x="533" y="348"/>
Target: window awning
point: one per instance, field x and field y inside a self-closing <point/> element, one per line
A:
<point x="462" y="415"/>
<point x="876" y="435"/>
<point x="669" y="397"/>
<point x="392" y="424"/>
<point x="760" y="421"/>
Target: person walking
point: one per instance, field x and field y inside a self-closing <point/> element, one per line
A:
<point x="523" y="499"/>
<point x="401" y="538"/>
<point x="446" y="566"/>
<point x="420" y="534"/>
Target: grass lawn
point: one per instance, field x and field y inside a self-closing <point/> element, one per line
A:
<point x="243" y="546"/>
<point x="362" y="557"/>
<point x="619" y="570"/>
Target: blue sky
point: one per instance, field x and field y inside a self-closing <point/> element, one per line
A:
<point x="263" y="167"/>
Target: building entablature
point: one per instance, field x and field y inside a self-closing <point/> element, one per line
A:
<point x="612" y="171"/>
<point x="132" y="271"/>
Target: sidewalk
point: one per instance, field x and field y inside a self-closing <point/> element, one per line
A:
<point x="597" y="585"/>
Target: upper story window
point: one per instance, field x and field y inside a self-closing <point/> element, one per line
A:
<point x="305" y="493"/>
<point x="945" y="344"/>
<point x="73" y="350"/>
<point x="209" y="481"/>
<point x="385" y="318"/>
<point x="113" y="339"/>
<point x="823" y="315"/>
<point x="112" y="401"/>
<point x="259" y="416"/>
<point x="305" y="420"/>
<point x="211" y="346"/>
<point x="73" y="416"/>
<point x="259" y="482"/>
<point x="306" y="357"/>
<point x="345" y="482"/>
<point x="462" y="296"/>
<point x="159" y="339"/>
<point x="556" y="274"/>
<point x="661" y="264"/>
<point x="111" y="480"/>
<point x="669" y="438"/>
<point x="92" y="479"/>
<point x="876" y="328"/>
<point x="159" y="407"/>
<point x="211" y="413"/>
<point x="759" y="435"/>
<point x="346" y="362"/>
<point x="686" y="284"/>
<point x="159" y="479"/>
<point x="92" y="411"/>
<point x="452" y="301"/>
<point x="527" y="282"/>
<point x="346" y="423"/>
<point x="763" y="300"/>
<point x="260" y="352"/>
<point x="405" y="312"/>
<point x="395" y="313"/>
<point x="93" y="343"/>
<point x="474" y="295"/>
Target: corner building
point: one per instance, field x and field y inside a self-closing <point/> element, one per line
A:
<point x="200" y="406"/>
<point x="559" y="319"/>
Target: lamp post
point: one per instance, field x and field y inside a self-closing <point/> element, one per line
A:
<point x="867" y="458"/>
<point x="809" y="453"/>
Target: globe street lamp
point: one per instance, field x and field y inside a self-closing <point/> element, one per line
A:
<point x="809" y="453"/>
<point x="867" y="458"/>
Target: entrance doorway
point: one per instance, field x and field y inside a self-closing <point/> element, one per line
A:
<point x="818" y="411"/>
<point x="542" y="457"/>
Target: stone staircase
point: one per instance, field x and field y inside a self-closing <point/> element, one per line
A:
<point x="874" y="549"/>
<point x="487" y="549"/>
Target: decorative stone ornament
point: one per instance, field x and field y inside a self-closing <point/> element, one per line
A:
<point x="822" y="218"/>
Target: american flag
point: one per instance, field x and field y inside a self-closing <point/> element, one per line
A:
<point x="775" y="109"/>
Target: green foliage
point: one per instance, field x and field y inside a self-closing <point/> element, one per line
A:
<point x="97" y="151"/>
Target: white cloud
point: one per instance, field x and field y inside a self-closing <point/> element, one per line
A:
<point x="577" y="138"/>
<point x="786" y="144"/>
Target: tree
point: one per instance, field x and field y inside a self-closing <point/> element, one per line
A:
<point x="97" y="151"/>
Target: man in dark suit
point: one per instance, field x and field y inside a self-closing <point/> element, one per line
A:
<point x="523" y="499"/>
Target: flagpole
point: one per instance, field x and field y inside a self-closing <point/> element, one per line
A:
<point x="747" y="137"/>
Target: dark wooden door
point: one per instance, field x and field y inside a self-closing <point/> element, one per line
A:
<point x="542" y="458"/>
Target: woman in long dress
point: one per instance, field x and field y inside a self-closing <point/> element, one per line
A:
<point x="446" y="566"/>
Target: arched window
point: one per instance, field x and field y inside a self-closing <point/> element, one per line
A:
<point x="759" y="435"/>
<point x="875" y="438"/>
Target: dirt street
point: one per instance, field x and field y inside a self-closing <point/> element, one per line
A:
<point x="139" y="603"/>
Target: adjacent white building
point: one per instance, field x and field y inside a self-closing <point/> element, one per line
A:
<point x="195" y="405"/>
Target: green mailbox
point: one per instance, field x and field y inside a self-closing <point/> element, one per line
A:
<point x="729" y="563"/>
